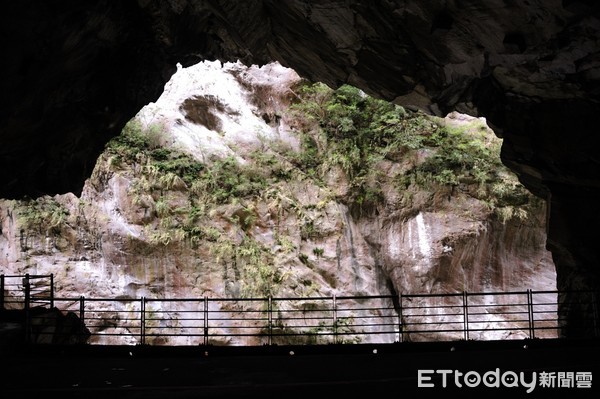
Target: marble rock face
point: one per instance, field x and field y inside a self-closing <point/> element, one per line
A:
<point x="439" y="243"/>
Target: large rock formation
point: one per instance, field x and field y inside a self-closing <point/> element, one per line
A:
<point x="162" y="219"/>
<point x="75" y="73"/>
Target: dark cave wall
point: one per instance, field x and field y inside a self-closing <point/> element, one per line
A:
<point x="74" y="72"/>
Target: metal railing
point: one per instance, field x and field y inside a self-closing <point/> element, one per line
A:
<point x="236" y="321"/>
<point x="24" y="291"/>
<point x="489" y="315"/>
<point x="312" y="320"/>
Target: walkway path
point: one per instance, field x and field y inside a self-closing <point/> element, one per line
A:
<point x="330" y="371"/>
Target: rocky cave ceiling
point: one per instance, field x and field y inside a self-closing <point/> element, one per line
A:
<point x="74" y="72"/>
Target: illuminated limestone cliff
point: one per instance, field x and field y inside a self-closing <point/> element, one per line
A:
<point x="248" y="182"/>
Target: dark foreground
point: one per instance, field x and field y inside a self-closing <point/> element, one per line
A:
<point x="332" y="371"/>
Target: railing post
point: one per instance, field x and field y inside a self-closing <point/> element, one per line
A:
<point x="82" y="316"/>
<point x="270" y="316"/>
<point x="400" y="326"/>
<point x="465" y="316"/>
<point x="205" y="320"/>
<point x="143" y="320"/>
<point x="334" y="319"/>
<point x="26" y="305"/>
<point x="51" y="290"/>
<point x="530" y="314"/>
<point x="26" y="291"/>
<point x="2" y="291"/>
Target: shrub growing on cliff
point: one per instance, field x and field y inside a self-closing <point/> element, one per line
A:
<point x="129" y="143"/>
<point x="43" y="215"/>
<point x="252" y="265"/>
<point x="353" y="133"/>
<point x="347" y="129"/>
<point x="139" y="145"/>
<point x="224" y="180"/>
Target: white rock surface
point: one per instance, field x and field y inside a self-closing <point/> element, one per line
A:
<point x="102" y="251"/>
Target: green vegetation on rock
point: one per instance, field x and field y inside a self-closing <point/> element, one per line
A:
<point x="160" y="173"/>
<point x="347" y="129"/>
<point x="43" y="215"/>
<point x="213" y="205"/>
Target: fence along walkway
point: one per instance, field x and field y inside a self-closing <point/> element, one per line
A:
<point x="29" y="290"/>
<point x="311" y="320"/>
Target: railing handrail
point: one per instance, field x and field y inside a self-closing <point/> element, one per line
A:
<point x="319" y="298"/>
<point x="25" y="275"/>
